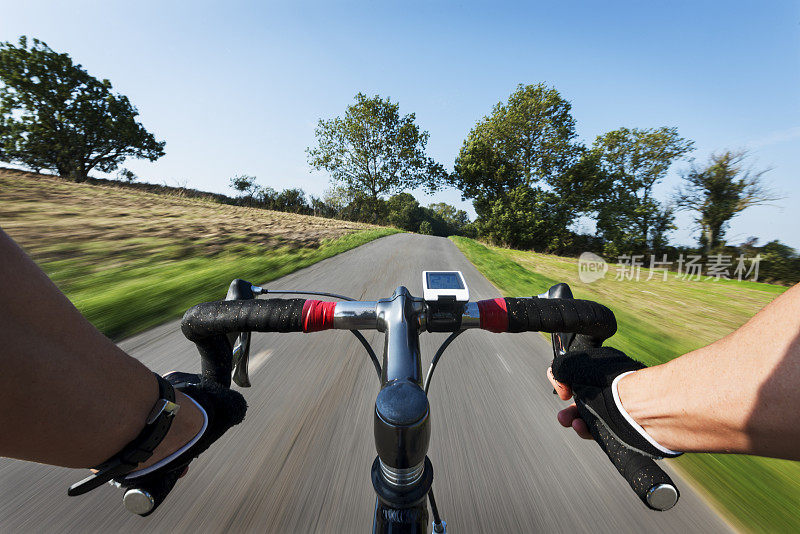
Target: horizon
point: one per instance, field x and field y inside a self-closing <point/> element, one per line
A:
<point x="207" y="83"/>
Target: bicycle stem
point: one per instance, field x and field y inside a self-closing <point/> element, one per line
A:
<point x="402" y="474"/>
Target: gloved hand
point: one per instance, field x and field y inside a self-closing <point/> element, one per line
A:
<point x="591" y="376"/>
<point x="222" y="408"/>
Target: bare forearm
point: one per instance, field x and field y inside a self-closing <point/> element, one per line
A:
<point x="737" y="395"/>
<point x="69" y="396"/>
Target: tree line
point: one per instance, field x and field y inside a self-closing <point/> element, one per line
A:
<point x="401" y="209"/>
<point x="531" y="180"/>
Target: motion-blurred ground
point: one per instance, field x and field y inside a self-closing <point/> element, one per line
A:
<point x="300" y="461"/>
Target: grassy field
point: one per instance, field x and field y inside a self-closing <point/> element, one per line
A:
<point x="659" y="320"/>
<point x="130" y="260"/>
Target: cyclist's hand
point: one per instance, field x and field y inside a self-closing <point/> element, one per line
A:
<point x="590" y="376"/>
<point x="568" y="417"/>
<point x="222" y="408"/>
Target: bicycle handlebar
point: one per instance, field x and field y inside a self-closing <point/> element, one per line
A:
<point x="208" y="324"/>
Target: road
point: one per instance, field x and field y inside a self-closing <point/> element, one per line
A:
<point x="300" y="462"/>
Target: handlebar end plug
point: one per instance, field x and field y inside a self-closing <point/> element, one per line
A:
<point x="662" y="497"/>
<point x="138" y="501"/>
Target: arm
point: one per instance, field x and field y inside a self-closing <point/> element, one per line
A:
<point x="738" y="395"/>
<point x="69" y="396"/>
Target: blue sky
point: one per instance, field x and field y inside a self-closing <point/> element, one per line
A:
<point x="237" y="87"/>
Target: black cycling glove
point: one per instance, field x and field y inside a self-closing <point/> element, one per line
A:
<point x="222" y="407"/>
<point x="593" y="375"/>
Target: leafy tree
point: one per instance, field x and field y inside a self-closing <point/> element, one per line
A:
<point x="526" y="218"/>
<point x="663" y="224"/>
<point x="426" y="228"/>
<point x="292" y="200"/>
<point x="404" y="212"/>
<point x="321" y="209"/>
<point x="439" y="226"/>
<point x="373" y="151"/>
<point x="336" y="198"/>
<point x="779" y="262"/>
<point x="582" y="183"/>
<point x="456" y="219"/>
<point x="246" y="186"/>
<point x="528" y="140"/>
<point x="54" y="115"/>
<point x="634" y="161"/>
<point x="266" y="196"/>
<point x="127" y="175"/>
<point x="363" y="208"/>
<point x="525" y="140"/>
<point x="720" y="191"/>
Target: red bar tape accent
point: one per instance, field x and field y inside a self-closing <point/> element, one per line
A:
<point x="494" y="316"/>
<point x="318" y="315"/>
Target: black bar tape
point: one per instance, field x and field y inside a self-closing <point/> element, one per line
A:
<point x="561" y="315"/>
<point x="641" y="473"/>
<point x="226" y="316"/>
<point x="207" y="325"/>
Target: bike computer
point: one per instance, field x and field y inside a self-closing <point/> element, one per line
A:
<point x="449" y="284"/>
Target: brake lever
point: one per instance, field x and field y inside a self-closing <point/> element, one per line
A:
<point x="240" y="341"/>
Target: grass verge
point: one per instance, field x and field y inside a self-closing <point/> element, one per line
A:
<point x="141" y="293"/>
<point x="659" y="320"/>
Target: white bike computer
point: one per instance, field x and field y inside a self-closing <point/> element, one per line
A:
<point x="437" y="284"/>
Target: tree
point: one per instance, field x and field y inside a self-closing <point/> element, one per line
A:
<point x="779" y="262"/>
<point x="525" y="218"/>
<point x="526" y="140"/>
<point x="292" y="200"/>
<point x="663" y="224"/>
<point x="635" y="160"/>
<point x="456" y="219"/>
<point x="321" y="209"/>
<point x="720" y="191"/>
<point x="54" y="115"/>
<point x="267" y="197"/>
<point x="582" y="183"/>
<point x="337" y="198"/>
<point x="404" y="212"/>
<point x="373" y="151"/>
<point x="246" y="186"/>
<point x="127" y="175"/>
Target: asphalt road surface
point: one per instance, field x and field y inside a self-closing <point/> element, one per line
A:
<point x="301" y="460"/>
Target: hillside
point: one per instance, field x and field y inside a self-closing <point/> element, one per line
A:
<point x="130" y="259"/>
<point x="659" y="320"/>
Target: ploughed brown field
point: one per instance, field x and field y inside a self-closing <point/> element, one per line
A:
<point x="46" y="213"/>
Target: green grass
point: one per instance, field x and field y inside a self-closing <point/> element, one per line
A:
<point x="659" y="320"/>
<point x="140" y="291"/>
